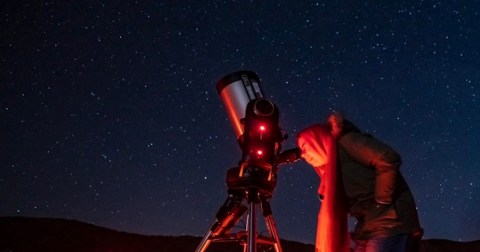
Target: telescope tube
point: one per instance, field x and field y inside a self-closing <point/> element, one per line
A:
<point x="236" y="90"/>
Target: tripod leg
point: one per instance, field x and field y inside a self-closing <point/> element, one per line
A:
<point x="273" y="232"/>
<point x="206" y="240"/>
<point x="252" y="219"/>
<point x="272" y="229"/>
<point x="227" y="216"/>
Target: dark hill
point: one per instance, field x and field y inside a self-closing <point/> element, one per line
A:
<point x="24" y="234"/>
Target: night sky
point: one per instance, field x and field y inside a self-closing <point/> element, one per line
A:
<point x="109" y="112"/>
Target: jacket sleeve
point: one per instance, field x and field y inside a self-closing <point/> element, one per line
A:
<point x="370" y="152"/>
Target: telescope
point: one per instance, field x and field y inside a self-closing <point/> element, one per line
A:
<point x="255" y="120"/>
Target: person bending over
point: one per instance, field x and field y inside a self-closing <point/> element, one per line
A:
<point x="360" y="176"/>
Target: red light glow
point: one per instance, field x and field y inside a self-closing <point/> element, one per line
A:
<point x="262" y="128"/>
<point x="259" y="152"/>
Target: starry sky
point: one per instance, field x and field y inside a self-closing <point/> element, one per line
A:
<point x="109" y="112"/>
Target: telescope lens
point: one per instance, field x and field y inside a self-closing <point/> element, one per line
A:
<point x="263" y="107"/>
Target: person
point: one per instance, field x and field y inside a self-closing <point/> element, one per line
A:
<point x="359" y="176"/>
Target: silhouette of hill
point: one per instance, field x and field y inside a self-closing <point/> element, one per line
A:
<point x="25" y="234"/>
<point x="441" y="245"/>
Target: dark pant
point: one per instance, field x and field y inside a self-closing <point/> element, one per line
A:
<point x="395" y="243"/>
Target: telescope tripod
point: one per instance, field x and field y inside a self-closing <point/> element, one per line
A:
<point x="255" y="190"/>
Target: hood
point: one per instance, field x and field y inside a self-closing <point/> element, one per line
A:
<point x="339" y="125"/>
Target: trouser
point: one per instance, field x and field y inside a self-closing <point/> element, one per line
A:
<point x="395" y="243"/>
